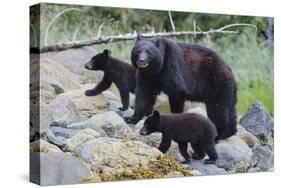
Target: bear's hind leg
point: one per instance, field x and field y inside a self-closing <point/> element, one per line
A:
<point x="125" y="99"/>
<point x="199" y="152"/>
<point x="183" y="151"/>
<point x="212" y="153"/>
<point x="218" y="114"/>
<point x="176" y="103"/>
<point x="232" y="125"/>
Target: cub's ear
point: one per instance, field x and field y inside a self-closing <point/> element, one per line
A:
<point x="106" y="53"/>
<point x="156" y="114"/>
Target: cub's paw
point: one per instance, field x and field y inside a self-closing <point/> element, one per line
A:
<point x="129" y="120"/>
<point x="90" y="92"/>
<point x="196" y="156"/>
<point x="209" y="161"/>
<point x="187" y="161"/>
<point x="123" y="108"/>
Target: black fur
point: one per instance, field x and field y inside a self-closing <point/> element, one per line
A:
<point x="120" y="73"/>
<point x="184" y="72"/>
<point x="195" y="129"/>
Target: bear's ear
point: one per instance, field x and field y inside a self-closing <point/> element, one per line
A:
<point x="106" y="53"/>
<point x="157" y="42"/>
<point x="156" y="114"/>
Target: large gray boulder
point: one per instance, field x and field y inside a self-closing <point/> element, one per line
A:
<point x="55" y="168"/>
<point x="107" y="124"/>
<point x="73" y="59"/>
<point x="258" y="121"/>
<point x="67" y="138"/>
<point x="232" y="151"/>
<point x="61" y="110"/>
<point x="57" y="134"/>
<point x="58" y="76"/>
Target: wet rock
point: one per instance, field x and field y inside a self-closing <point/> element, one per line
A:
<point x="107" y="124"/>
<point x="264" y="157"/>
<point x="61" y="110"/>
<point x="255" y="169"/>
<point x="231" y="151"/>
<point x="258" y="121"/>
<point x="204" y="169"/>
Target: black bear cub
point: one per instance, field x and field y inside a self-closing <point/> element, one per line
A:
<point x="120" y="73"/>
<point x="195" y="129"/>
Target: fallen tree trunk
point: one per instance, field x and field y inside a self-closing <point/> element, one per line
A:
<point x="131" y="36"/>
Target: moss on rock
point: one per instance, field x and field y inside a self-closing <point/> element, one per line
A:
<point x="161" y="167"/>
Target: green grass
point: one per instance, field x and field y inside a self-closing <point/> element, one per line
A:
<point x="250" y="60"/>
<point x="252" y="64"/>
<point x="120" y="50"/>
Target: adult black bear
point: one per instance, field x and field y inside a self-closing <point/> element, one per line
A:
<point x="120" y="73"/>
<point x="184" y="71"/>
<point x="195" y="129"/>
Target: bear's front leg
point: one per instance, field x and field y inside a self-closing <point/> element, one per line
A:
<point x="143" y="106"/>
<point x="145" y="99"/>
<point x="102" y="86"/>
<point x="165" y="143"/>
<point x="183" y="151"/>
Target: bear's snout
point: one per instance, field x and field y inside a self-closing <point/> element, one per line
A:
<point x="142" y="63"/>
<point x="88" y="66"/>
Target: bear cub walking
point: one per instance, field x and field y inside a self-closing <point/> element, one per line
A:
<point x="195" y="129"/>
<point x="120" y="73"/>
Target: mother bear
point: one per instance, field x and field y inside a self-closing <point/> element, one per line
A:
<point x="184" y="71"/>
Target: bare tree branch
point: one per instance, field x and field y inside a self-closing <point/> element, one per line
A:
<point x="194" y="28"/>
<point x="131" y="36"/>
<point x="53" y="20"/>
<point x="99" y="30"/>
<point x="171" y="21"/>
<point x="238" y="25"/>
<point x="75" y="33"/>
